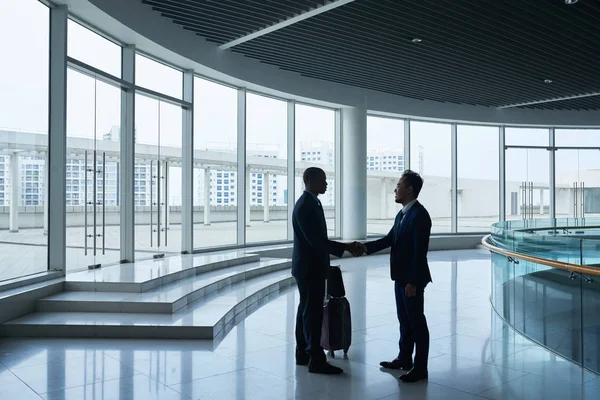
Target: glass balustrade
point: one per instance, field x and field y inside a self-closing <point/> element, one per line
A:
<point x="548" y="286"/>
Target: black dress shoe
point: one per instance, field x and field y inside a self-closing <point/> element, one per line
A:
<point x="302" y="360"/>
<point x="396" y="364"/>
<point x="323" y="367"/>
<point x="414" y="375"/>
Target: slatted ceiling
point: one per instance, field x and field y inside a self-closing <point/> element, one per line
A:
<point x="484" y="52"/>
<point x="586" y="103"/>
<point x="221" y="21"/>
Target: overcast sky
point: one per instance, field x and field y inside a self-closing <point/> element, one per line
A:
<point x="24" y="91"/>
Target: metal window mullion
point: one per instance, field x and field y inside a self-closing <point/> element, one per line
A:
<point x="291" y="165"/>
<point x="502" y="174"/>
<point x="187" y="167"/>
<point x="338" y="173"/>
<point x="57" y="139"/>
<point x="406" y="161"/>
<point x="241" y="167"/>
<point x="454" y="179"/>
<point x="552" y="177"/>
<point x="127" y="157"/>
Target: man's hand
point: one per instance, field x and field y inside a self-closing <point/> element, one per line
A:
<point x="410" y="290"/>
<point x="356" y="249"/>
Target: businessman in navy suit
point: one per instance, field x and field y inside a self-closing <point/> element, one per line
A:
<point x="409" y="241"/>
<point x="310" y="263"/>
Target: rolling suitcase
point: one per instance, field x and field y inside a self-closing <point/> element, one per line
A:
<point x="336" y="333"/>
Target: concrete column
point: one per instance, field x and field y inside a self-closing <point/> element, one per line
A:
<point x="384" y="200"/>
<point x="354" y="173"/>
<point x="266" y="195"/>
<point x="206" y="196"/>
<point x="248" y="195"/>
<point x="541" y="201"/>
<point x="46" y="180"/>
<point x="15" y="195"/>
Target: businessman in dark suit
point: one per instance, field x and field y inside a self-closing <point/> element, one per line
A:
<point x="310" y="263"/>
<point x="409" y="241"/>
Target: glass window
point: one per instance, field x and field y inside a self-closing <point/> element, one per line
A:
<point x="385" y="138"/>
<point x="157" y="76"/>
<point x="24" y="40"/>
<point x="315" y="131"/>
<point x="526" y="136"/>
<point x="478" y="170"/>
<point x="91" y="48"/>
<point x="577" y="137"/>
<point x="266" y="137"/>
<point x="215" y="155"/>
<point x="430" y="156"/>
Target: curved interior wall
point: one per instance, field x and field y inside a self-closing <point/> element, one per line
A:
<point x="135" y="23"/>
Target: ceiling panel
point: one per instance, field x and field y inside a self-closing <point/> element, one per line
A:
<point x="484" y="52"/>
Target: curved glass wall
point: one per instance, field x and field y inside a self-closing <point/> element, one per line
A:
<point x="139" y="116"/>
<point x="548" y="286"/>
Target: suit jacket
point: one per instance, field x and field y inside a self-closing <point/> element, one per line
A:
<point x="409" y="241"/>
<point x="310" y="257"/>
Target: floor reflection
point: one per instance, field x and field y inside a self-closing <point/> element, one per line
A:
<point x="473" y="355"/>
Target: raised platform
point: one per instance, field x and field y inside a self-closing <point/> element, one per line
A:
<point x="198" y="296"/>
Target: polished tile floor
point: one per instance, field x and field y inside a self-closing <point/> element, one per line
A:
<point x="473" y="354"/>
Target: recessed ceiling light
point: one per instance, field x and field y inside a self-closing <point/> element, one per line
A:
<point x="570" y="1"/>
<point x="547" y="81"/>
<point x="417" y="40"/>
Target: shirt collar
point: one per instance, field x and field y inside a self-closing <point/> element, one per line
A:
<point x="313" y="195"/>
<point x="407" y="207"/>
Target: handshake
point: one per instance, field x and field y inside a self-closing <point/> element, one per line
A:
<point x="357" y="249"/>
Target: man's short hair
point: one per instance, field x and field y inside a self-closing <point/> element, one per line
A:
<point x="413" y="180"/>
<point x="312" y="174"/>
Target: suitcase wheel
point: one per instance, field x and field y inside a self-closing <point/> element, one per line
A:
<point x="331" y="354"/>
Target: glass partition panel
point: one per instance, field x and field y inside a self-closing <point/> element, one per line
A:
<point x="430" y="156"/>
<point x="91" y="48"/>
<point x="385" y="164"/>
<point x="315" y="147"/>
<point x="478" y="188"/>
<point x="577" y="183"/>
<point x="92" y="172"/>
<point x="577" y="137"/>
<point x="157" y="174"/>
<point x="215" y="164"/>
<point x="266" y="157"/>
<point x="157" y="76"/>
<point x="527" y="183"/>
<point x="24" y="40"/>
<point x="526" y="136"/>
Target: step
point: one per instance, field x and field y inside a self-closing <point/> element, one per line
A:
<point x="164" y="299"/>
<point x="207" y="318"/>
<point x="145" y="275"/>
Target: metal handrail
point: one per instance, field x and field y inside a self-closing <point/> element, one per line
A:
<point x="582" y="269"/>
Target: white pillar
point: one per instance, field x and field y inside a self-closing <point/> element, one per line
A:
<point x="15" y="178"/>
<point x="354" y="173"/>
<point x="46" y="174"/>
<point x="541" y="201"/>
<point x="384" y="200"/>
<point x="206" y="196"/>
<point x="248" y="195"/>
<point x="266" y="195"/>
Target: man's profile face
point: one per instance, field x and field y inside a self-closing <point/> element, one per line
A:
<point x="402" y="191"/>
<point x="320" y="183"/>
